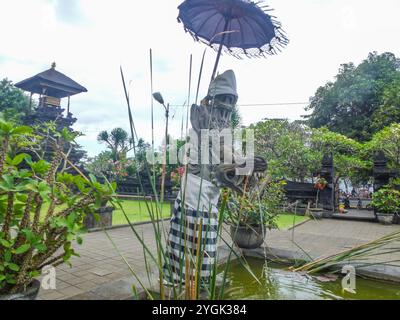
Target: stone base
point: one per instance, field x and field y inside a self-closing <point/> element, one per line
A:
<point x="385" y="219"/>
<point x="105" y="221"/>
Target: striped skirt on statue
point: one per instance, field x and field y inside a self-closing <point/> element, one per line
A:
<point x="192" y="245"/>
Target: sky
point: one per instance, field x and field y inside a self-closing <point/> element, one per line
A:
<point x="90" y="39"/>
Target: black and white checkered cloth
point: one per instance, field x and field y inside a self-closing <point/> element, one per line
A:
<point x="183" y="242"/>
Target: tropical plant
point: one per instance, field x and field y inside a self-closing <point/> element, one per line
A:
<point x="104" y="165"/>
<point x="258" y="206"/>
<point x="320" y="185"/>
<point x="41" y="207"/>
<point x="117" y="141"/>
<point x="176" y="176"/>
<point x="386" y="200"/>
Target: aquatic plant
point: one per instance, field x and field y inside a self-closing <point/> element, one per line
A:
<point x="360" y="255"/>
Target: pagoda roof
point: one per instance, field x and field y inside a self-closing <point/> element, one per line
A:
<point x="55" y="83"/>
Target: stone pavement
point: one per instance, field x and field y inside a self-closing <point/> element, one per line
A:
<point x="100" y="272"/>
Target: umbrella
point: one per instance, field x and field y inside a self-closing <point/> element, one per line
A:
<point x="239" y="27"/>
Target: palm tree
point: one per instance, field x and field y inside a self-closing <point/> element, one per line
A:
<point x="117" y="141"/>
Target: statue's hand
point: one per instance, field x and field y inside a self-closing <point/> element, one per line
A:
<point x="226" y="175"/>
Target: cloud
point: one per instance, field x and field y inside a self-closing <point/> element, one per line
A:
<point x="69" y="11"/>
<point x="90" y="39"/>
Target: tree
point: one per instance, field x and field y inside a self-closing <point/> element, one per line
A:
<point x="100" y="164"/>
<point x="388" y="141"/>
<point x="294" y="151"/>
<point x="285" y="146"/>
<point x="389" y="111"/>
<point x="13" y="102"/>
<point x="236" y="118"/>
<point x="347" y="105"/>
<point x="349" y="157"/>
<point x="117" y="141"/>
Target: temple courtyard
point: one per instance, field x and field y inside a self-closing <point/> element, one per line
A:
<point x="101" y="273"/>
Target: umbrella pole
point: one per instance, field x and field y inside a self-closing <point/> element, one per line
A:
<point x="220" y="49"/>
<point x="217" y="61"/>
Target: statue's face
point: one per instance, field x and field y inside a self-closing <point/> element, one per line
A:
<point x="223" y="106"/>
<point x="225" y="101"/>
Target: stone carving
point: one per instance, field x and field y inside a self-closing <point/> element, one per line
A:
<point x="196" y="204"/>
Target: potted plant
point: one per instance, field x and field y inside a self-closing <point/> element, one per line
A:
<point x="251" y="214"/>
<point x="320" y="185"/>
<point x="42" y="207"/>
<point x="176" y="177"/>
<point x="386" y="202"/>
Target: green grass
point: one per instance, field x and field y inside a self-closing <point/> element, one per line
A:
<point x="285" y="221"/>
<point x="137" y="211"/>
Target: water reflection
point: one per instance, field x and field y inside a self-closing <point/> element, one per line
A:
<point x="280" y="284"/>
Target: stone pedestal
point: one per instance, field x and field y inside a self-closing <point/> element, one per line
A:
<point x="104" y="219"/>
<point x="327" y="196"/>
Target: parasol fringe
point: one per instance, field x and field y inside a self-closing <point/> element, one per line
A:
<point x="279" y="42"/>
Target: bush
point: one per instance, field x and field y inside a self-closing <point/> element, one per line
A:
<point x="258" y="206"/>
<point x="42" y="207"/>
<point x="386" y="200"/>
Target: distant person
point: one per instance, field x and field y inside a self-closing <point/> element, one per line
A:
<point x="346" y="202"/>
<point x="353" y="192"/>
<point x="359" y="204"/>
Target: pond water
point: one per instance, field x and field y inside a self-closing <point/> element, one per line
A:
<point x="280" y="284"/>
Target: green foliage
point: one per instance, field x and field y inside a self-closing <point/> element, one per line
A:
<point x="13" y="102"/>
<point x="358" y="95"/>
<point x="236" y="118"/>
<point x="284" y="145"/>
<point x="117" y="141"/>
<point x="386" y="200"/>
<point x="348" y="154"/>
<point x="389" y="111"/>
<point x="388" y="141"/>
<point x="295" y="152"/>
<point x="260" y="205"/>
<point x="30" y="237"/>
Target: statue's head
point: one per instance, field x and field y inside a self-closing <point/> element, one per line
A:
<point x="223" y="84"/>
<point x="222" y="95"/>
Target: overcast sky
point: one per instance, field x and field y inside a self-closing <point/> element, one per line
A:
<point x="90" y="39"/>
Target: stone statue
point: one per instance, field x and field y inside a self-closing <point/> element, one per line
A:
<point x="195" y="210"/>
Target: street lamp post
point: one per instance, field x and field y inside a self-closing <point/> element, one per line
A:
<point x="159" y="98"/>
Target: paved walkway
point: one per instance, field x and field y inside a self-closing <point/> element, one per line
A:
<point x="100" y="273"/>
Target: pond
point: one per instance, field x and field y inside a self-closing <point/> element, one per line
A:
<point x="280" y="284"/>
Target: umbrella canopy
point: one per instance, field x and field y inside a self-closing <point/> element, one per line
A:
<point x="237" y="26"/>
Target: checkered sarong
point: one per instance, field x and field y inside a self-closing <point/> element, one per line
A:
<point x="183" y="242"/>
